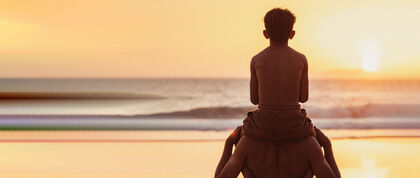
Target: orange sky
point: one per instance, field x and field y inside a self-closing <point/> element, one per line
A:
<point x="197" y="38"/>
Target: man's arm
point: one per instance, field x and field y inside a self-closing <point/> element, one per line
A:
<point x="254" y="84"/>
<point x="304" y="84"/>
<point x="329" y="156"/>
<point x="227" y="151"/>
<point x="236" y="162"/>
<point x="309" y="173"/>
<point x="318" y="163"/>
<point x="325" y="142"/>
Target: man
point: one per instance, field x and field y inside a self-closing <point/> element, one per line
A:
<point x="256" y="159"/>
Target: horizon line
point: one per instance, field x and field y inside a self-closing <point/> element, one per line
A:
<point x="209" y="78"/>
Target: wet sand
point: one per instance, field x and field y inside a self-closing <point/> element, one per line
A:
<point x="183" y="154"/>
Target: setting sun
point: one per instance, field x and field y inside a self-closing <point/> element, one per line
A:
<point x="370" y="53"/>
<point x="370" y="64"/>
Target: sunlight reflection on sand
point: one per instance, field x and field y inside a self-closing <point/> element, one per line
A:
<point x="118" y="156"/>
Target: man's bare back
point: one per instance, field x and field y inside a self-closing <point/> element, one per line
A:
<point x="264" y="159"/>
<point x="279" y="77"/>
<point x="277" y="160"/>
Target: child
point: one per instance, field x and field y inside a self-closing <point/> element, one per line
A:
<point x="279" y="82"/>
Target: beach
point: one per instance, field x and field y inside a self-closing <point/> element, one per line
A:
<point x="126" y="154"/>
<point x="176" y="127"/>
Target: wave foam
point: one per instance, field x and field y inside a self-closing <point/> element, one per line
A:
<point x="75" y="95"/>
<point x="368" y="110"/>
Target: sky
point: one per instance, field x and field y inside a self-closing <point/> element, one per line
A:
<point x="203" y="38"/>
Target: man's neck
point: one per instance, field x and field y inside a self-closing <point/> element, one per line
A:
<point x="279" y="44"/>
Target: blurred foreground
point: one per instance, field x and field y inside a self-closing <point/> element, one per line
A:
<point x="126" y="154"/>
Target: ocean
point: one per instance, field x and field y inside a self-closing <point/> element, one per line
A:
<point x="197" y="104"/>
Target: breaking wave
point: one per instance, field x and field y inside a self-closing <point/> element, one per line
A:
<point x="368" y="110"/>
<point x="76" y="95"/>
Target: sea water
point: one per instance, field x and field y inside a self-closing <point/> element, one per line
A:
<point x="197" y="104"/>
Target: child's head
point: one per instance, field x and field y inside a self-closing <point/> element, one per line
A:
<point x="279" y="25"/>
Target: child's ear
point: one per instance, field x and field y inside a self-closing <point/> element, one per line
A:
<point x="266" y="34"/>
<point x="292" y="34"/>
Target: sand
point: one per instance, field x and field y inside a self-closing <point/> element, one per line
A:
<point x="124" y="154"/>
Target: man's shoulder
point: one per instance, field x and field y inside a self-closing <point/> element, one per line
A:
<point x="245" y="145"/>
<point x="248" y="140"/>
<point x="308" y="145"/>
<point x="309" y="141"/>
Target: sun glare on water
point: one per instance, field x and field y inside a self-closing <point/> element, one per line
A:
<point x="370" y="54"/>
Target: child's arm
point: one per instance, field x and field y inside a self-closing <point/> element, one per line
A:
<point x="254" y="84"/>
<point x="304" y="84"/>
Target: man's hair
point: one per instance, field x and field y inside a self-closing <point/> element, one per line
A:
<point x="279" y="24"/>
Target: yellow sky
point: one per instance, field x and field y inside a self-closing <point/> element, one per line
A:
<point x="197" y="38"/>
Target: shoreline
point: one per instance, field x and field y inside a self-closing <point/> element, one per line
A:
<point x="197" y="124"/>
<point x="180" y="136"/>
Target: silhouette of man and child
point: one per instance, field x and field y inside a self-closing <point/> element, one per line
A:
<point x="278" y="139"/>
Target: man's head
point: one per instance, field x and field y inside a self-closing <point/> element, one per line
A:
<point x="279" y="25"/>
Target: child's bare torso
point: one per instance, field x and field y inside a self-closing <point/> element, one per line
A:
<point x="279" y="77"/>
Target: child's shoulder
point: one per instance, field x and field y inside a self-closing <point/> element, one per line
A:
<point x="297" y="54"/>
<point x="290" y="51"/>
<point x="261" y="54"/>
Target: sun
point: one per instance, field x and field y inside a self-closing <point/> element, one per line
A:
<point x="370" y="54"/>
<point x="370" y="64"/>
